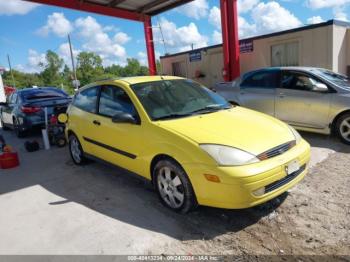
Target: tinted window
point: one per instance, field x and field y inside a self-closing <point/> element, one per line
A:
<point x="42" y="93"/>
<point x="298" y="81"/>
<point x="86" y="99"/>
<point x="177" y="98"/>
<point x="14" y="98"/>
<point x="261" y="80"/>
<point x="114" y="100"/>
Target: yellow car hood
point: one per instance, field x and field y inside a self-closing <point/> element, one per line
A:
<point x="237" y="127"/>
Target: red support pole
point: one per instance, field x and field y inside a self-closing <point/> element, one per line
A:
<point x="150" y="46"/>
<point x="229" y="24"/>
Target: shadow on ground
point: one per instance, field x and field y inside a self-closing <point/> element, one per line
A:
<point x="113" y="193"/>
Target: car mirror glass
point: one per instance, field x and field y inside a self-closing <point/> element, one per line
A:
<point x="123" y="118"/>
<point x="320" y="87"/>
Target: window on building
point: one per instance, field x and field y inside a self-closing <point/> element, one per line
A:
<point x="179" y="69"/>
<point x="286" y="54"/>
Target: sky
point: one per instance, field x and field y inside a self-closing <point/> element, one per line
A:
<point x="28" y="30"/>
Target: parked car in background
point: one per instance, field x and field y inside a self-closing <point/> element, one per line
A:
<point x="24" y="108"/>
<point x="310" y="99"/>
<point x="191" y="143"/>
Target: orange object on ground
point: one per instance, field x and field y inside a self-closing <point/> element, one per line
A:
<point x="9" y="160"/>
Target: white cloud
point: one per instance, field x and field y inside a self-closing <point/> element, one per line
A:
<point x="122" y="38"/>
<point x="339" y="14"/>
<point x="315" y="20"/>
<point x="96" y="40"/>
<point x="217" y="37"/>
<point x="34" y="61"/>
<point x="267" y="17"/>
<point x="197" y="9"/>
<point x="180" y="38"/>
<point x="271" y="17"/>
<point x="142" y="57"/>
<point x="215" y="17"/>
<point x="64" y="53"/>
<point x="16" y="7"/>
<point x="57" y="24"/>
<point x="245" y="6"/>
<point x="317" y="4"/>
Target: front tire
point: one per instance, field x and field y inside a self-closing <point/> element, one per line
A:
<point x="343" y="128"/>
<point x="173" y="186"/>
<point x="76" y="151"/>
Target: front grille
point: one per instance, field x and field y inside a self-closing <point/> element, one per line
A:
<point x="278" y="150"/>
<point x="284" y="180"/>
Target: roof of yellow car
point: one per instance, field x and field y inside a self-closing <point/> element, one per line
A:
<point x="143" y="79"/>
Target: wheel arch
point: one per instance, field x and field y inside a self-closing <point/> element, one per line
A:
<point x="335" y="120"/>
<point x="158" y="158"/>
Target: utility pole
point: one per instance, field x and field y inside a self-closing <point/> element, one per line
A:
<point x="13" y="79"/>
<point x="73" y="65"/>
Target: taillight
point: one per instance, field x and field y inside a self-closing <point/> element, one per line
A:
<point x="30" y="109"/>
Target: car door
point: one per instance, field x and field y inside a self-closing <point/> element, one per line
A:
<point x="257" y="90"/>
<point x="82" y="114"/>
<point x="299" y="104"/>
<point x="117" y="143"/>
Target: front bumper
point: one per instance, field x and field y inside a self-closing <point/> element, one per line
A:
<point x="239" y="182"/>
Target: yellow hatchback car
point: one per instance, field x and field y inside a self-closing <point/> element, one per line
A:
<point x="192" y="144"/>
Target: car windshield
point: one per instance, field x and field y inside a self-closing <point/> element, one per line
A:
<point x="169" y="99"/>
<point x="338" y="79"/>
<point x="34" y="94"/>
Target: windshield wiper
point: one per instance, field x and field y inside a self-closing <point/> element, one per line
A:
<point x="171" y="116"/>
<point x="210" y="109"/>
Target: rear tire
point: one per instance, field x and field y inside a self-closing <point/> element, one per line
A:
<point x="16" y="127"/>
<point x="342" y="128"/>
<point x="76" y="151"/>
<point x="174" y="187"/>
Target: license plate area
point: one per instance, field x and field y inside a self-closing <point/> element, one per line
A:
<point x="292" y="167"/>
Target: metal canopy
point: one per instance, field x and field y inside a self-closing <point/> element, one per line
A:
<point x="127" y="9"/>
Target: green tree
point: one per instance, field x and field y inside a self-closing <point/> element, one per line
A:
<point x="51" y="75"/>
<point x="89" y="67"/>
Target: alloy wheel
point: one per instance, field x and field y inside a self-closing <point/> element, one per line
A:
<point x="345" y="129"/>
<point x="170" y="188"/>
<point x="75" y="150"/>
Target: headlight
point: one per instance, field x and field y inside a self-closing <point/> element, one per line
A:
<point x="229" y="156"/>
<point x="296" y="134"/>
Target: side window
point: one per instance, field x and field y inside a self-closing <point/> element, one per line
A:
<point x="114" y="100"/>
<point x="261" y="80"/>
<point x="298" y="81"/>
<point x="86" y="99"/>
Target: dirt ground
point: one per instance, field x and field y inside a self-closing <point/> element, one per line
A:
<point x="311" y="219"/>
<point x="50" y="206"/>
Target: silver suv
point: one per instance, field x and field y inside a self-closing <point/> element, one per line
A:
<point x="310" y="99"/>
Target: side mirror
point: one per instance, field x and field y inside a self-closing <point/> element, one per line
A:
<point x="63" y="118"/>
<point x="320" y="87"/>
<point x="123" y="118"/>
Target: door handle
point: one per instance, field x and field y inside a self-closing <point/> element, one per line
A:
<point x="282" y="95"/>
<point x="98" y="123"/>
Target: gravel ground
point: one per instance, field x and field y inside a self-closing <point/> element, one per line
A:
<point x="313" y="218"/>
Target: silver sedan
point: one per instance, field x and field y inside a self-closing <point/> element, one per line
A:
<point x="310" y="99"/>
